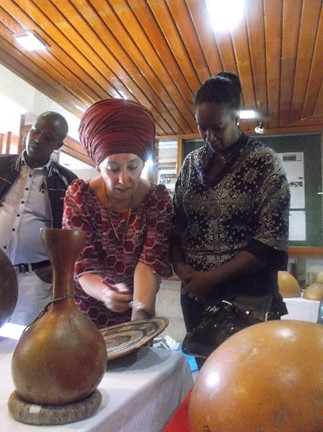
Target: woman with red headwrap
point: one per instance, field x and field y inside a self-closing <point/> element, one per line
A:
<point x="126" y="218"/>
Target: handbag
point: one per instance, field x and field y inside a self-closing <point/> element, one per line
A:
<point x="224" y="318"/>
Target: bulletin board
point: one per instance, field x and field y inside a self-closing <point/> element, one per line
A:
<point x="302" y="158"/>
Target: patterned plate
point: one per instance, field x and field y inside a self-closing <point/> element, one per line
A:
<point x="124" y="338"/>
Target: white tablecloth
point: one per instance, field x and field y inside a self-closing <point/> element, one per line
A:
<point x="301" y="309"/>
<point x="140" y="392"/>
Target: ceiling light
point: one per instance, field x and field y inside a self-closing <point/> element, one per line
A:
<point x="225" y="14"/>
<point x="260" y="129"/>
<point x="30" y="41"/>
<point x="247" y="114"/>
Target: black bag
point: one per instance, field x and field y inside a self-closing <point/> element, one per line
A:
<point x="225" y="318"/>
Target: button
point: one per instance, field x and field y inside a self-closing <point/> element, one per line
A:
<point x="13" y="229"/>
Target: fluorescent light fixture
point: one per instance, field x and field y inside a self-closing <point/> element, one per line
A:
<point x="30" y="41"/>
<point x="247" y="114"/>
<point x="225" y="14"/>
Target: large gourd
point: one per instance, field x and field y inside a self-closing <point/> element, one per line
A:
<point x="61" y="357"/>
<point x="288" y="285"/>
<point x="8" y="288"/>
<point x="314" y="291"/>
<point x="267" y="377"/>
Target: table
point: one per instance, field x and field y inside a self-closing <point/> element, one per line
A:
<point x="301" y="309"/>
<point x="140" y="392"/>
<point x="179" y="422"/>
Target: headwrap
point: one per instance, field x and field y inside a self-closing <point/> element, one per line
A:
<point x="117" y="126"/>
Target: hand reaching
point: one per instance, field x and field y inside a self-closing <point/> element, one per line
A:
<point x="116" y="297"/>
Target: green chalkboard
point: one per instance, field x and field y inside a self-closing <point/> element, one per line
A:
<point x="311" y="147"/>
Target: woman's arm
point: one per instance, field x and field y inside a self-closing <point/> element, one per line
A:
<point x="183" y="270"/>
<point x="146" y="286"/>
<point x="202" y="283"/>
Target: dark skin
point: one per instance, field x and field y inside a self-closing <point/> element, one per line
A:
<point x="45" y="136"/>
<point x="218" y="127"/>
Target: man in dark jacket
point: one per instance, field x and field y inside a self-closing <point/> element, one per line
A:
<point x="32" y="190"/>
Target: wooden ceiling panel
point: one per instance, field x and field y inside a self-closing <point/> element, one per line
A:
<point x="273" y="23"/>
<point x="206" y="37"/>
<point x="314" y="83"/>
<point x="307" y="37"/>
<point x="190" y="46"/>
<point x="290" y="35"/>
<point x="158" y="52"/>
<point x="256" y="36"/>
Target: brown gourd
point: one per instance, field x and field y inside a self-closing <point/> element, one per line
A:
<point x="61" y="357"/>
<point x="314" y="291"/>
<point x="288" y="285"/>
<point x="8" y="288"/>
<point x="267" y="377"/>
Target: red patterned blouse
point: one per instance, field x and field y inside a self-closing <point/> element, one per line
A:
<point x="146" y="240"/>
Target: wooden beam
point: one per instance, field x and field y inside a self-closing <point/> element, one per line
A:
<point x="73" y="148"/>
<point x="305" y="251"/>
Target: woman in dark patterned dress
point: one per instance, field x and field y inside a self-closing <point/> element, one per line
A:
<point x="231" y="205"/>
<point x="125" y="217"/>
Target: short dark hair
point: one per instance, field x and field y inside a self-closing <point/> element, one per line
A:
<point x="58" y="118"/>
<point x="223" y="89"/>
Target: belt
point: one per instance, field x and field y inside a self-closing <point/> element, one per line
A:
<point x="25" y="268"/>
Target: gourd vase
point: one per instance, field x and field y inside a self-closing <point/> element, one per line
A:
<point x="61" y="357"/>
<point x="8" y="288"/>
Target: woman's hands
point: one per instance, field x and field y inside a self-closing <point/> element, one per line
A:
<point x="184" y="271"/>
<point x="199" y="284"/>
<point x="116" y="297"/>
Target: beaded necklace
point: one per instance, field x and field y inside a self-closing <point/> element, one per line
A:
<point x="116" y="234"/>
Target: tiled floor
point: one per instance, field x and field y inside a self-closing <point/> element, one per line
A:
<point x="168" y="305"/>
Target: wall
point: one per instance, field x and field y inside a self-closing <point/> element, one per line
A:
<point x="33" y="101"/>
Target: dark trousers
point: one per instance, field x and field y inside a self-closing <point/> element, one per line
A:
<point x="192" y="314"/>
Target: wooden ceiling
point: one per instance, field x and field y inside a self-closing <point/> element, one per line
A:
<point x="158" y="52"/>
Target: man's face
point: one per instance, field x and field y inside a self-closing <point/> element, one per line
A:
<point x="44" y="137"/>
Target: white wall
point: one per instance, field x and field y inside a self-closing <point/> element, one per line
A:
<point x="18" y="97"/>
<point x="32" y="100"/>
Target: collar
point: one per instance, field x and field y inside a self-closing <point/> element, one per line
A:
<point x="229" y="159"/>
<point x="24" y="162"/>
<point x="232" y="152"/>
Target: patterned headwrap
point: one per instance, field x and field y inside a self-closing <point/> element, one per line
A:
<point x="117" y="126"/>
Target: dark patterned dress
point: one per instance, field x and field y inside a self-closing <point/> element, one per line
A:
<point x="245" y="208"/>
<point x="146" y="241"/>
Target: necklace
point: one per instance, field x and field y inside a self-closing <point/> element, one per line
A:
<point x="116" y="234"/>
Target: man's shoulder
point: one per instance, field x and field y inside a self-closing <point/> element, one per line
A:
<point x="8" y="160"/>
<point x="6" y="157"/>
<point x="64" y="171"/>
